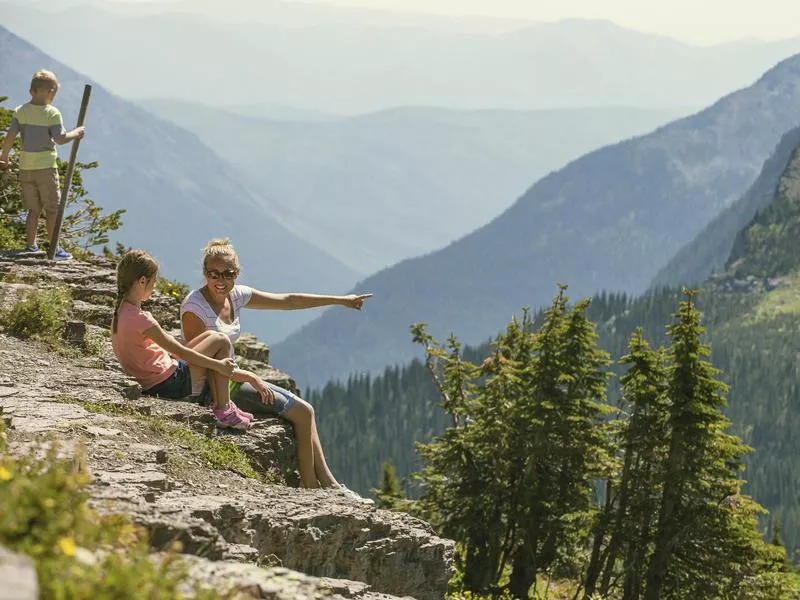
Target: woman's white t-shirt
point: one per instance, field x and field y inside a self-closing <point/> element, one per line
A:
<point x="197" y="304"/>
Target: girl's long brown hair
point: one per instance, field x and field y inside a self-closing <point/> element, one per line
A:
<point x="135" y="264"/>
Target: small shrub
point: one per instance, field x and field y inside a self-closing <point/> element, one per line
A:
<point x="12" y="234"/>
<point x="40" y="315"/>
<point x="93" y="343"/>
<point x="174" y="289"/>
<point x="78" y="553"/>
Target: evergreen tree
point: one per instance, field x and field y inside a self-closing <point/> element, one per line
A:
<point x="390" y="494"/>
<point x="512" y="479"/>
<point x="706" y="542"/>
<point x="641" y="440"/>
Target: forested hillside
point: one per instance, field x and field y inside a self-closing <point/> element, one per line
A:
<point x="752" y="312"/>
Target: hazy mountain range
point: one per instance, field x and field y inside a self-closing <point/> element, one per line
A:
<point x="608" y="220"/>
<point x="177" y="192"/>
<point x="379" y="188"/>
<point x="347" y="64"/>
<point x="290" y="14"/>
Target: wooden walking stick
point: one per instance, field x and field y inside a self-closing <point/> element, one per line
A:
<point x="62" y="205"/>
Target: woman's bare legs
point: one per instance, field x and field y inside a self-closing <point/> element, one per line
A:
<point x="324" y="475"/>
<point x="314" y="470"/>
<point x="215" y="345"/>
<point x="301" y="416"/>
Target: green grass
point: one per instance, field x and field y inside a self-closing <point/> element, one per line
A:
<point x="216" y="454"/>
<point x="784" y="300"/>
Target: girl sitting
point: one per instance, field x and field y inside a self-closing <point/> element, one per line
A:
<point x="145" y="350"/>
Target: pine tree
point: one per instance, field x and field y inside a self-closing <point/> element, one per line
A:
<point x="512" y="479"/>
<point x="390" y="494"/>
<point x="644" y="389"/>
<point x="706" y="541"/>
<point x="629" y="513"/>
<point x="462" y="491"/>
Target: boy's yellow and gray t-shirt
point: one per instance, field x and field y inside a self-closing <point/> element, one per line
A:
<point x="40" y="127"/>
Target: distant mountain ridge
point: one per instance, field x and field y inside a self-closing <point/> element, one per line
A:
<point x="609" y="220"/>
<point x="710" y="250"/>
<point x="349" y="67"/>
<point x="382" y="187"/>
<point x="178" y="194"/>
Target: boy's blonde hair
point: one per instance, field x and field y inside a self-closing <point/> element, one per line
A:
<point x="44" y="80"/>
<point x="134" y="264"/>
<point x="220" y="248"/>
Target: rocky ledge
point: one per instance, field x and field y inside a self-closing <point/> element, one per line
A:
<point x="318" y="542"/>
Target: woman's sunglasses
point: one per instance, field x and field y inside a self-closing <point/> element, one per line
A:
<point x="228" y="275"/>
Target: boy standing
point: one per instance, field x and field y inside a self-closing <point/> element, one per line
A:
<point x="41" y="127"/>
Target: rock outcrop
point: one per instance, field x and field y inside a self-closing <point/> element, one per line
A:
<point x="228" y="522"/>
<point x="18" y="577"/>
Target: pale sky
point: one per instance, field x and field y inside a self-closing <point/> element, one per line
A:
<point x="694" y="21"/>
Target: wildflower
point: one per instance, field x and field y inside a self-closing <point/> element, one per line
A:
<point x="67" y="545"/>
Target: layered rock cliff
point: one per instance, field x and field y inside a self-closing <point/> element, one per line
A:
<point x="229" y="520"/>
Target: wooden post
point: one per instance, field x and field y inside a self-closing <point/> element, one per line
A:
<point x="62" y="205"/>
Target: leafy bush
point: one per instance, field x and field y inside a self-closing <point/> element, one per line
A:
<point x="175" y="289"/>
<point x="40" y="315"/>
<point x="11" y="234"/>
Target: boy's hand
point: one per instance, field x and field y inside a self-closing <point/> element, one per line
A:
<point x="3" y="164"/>
<point x="80" y="132"/>
<point x="226" y="367"/>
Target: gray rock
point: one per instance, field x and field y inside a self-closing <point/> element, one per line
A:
<point x="93" y="313"/>
<point x="11" y="293"/>
<point x="74" y="333"/>
<point x="17" y="577"/>
<point x="274" y="583"/>
<point x="132" y="391"/>
<point x="248" y="346"/>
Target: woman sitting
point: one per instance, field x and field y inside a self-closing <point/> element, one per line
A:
<point x="216" y="307"/>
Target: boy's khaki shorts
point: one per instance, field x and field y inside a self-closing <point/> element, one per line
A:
<point x="40" y="190"/>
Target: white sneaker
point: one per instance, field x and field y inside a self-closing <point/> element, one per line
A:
<point x="345" y="491"/>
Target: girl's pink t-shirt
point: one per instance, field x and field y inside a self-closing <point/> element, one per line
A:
<point x="140" y="357"/>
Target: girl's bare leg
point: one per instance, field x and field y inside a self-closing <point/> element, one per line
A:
<point x="215" y="345"/>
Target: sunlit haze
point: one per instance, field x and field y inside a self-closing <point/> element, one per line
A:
<point x="706" y="22"/>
